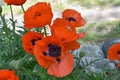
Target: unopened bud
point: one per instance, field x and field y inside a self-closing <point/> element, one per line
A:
<point x="15" y="64"/>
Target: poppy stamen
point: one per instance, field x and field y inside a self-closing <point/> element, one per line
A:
<point x="58" y="60"/>
<point x="39" y="14"/>
<point x="33" y="41"/>
<point x="118" y="52"/>
<point x="44" y="53"/>
<point x="54" y="50"/>
<point x="71" y="19"/>
<point x="49" y="45"/>
<point x="30" y="49"/>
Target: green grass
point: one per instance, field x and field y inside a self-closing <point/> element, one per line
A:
<point x="98" y="32"/>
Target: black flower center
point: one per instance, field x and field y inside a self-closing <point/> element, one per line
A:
<point x="71" y="19"/>
<point x="118" y="52"/>
<point x="33" y="41"/>
<point x="39" y="14"/>
<point x="54" y="50"/>
<point x="44" y="53"/>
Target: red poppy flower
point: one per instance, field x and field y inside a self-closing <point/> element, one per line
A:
<point x="8" y="75"/>
<point x="50" y="54"/>
<point x="15" y="2"/>
<point x="29" y="40"/>
<point x="73" y="17"/>
<point x="63" y="31"/>
<point x="38" y="15"/>
<point x="114" y="52"/>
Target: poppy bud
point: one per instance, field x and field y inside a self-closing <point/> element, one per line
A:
<point x="15" y="64"/>
<point x="0" y="10"/>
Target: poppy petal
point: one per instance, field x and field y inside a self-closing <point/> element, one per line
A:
<point x="63" y="68"/>
<point x="63" y="31"/>
<point x="82" y="22"/>
<point x="38" y="15"/>
<point x="15" y="2"/>
<point x="73" y="17"/>
<point x="40" y="47"/>
<point x="55" y="63"/>
<point x="8" y="75"/>
<point x="42" y="61"/>
<point x="81" y="35"/>
<point x="72" y="45"/>
<point x="118" y="65"/>
<point x="113" y="52"/>
<point x="29" y="39"/>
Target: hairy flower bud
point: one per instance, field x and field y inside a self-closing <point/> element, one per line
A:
<point x="15" y="64"/>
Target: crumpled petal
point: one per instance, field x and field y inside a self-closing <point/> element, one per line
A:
<point x="63" y="31"/>
<point x="63" y="68"/>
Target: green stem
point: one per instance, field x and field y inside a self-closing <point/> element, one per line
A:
<point x="1" y="17"/>
<point x="23" y="8"/>
<point x="45" y="31"/>
<point x="13" y="24"/>
<point x="50" y="28"/>
<point x="11" y="12"/>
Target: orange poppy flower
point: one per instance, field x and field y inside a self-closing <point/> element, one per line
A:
<point x="38" y="15"/>
<point x="50" y="55"/>
<point x="63" y="31"/>
<point x="73" y="17"/>
<point x="8" y="75"/>
<point x="114" y="52"/>
<point x="29" y="40"/>
<point x="15" y="2"/>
